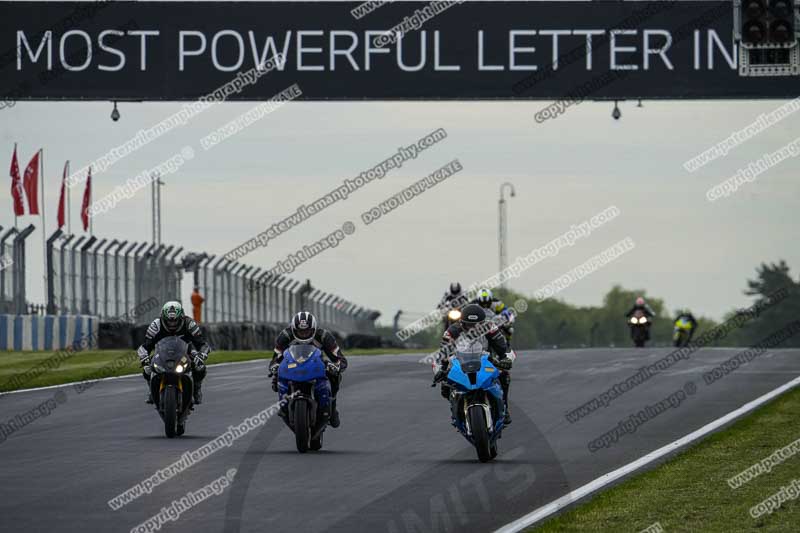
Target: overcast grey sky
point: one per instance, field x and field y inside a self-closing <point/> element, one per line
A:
<point x="689" y="251"/>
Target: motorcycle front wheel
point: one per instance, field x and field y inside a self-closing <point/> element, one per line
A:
<point x="302" y="431"/>
<point x="480" y="433"/>
<point x="170" y="412"/>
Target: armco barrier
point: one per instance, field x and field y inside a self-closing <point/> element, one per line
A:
<point x="49" y="332"/>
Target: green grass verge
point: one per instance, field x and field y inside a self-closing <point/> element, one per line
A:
<point x="690" y="493"/>
<point x="85" y="365"/>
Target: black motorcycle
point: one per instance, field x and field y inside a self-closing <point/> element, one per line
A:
<point x="640" y="328"/>
<point x="171" y="384"/>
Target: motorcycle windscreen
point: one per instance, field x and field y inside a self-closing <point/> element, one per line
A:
<point x="170" y="351"/>
<point x="301" y="362"/>
<point x="470" y="361"/>
<point x="302" y="352"/>
<point x="467" y="360"/>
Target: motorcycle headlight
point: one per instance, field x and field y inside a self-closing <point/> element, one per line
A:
<point x="179" y="369"/>
<point x="454" y="315"/>
<point x="643" y="320"/>
<point x="633" y="320"/>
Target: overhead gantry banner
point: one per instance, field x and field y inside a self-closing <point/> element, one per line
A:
<point x="397" y="51"/>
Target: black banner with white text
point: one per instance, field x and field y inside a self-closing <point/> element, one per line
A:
<point x="400" y="51"/>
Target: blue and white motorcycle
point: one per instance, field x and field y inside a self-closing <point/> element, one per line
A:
<point x="476" y="399"/>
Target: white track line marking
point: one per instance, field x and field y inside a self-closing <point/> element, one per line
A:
<point x="138" y="374"/>
<point x="215" y="365"/>
<point x="593" y="486"/>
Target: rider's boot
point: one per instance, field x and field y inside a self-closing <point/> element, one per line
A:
<point x="334" y="421"/>
<point x="198" y="394"/>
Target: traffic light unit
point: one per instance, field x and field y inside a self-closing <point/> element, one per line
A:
<point x="768" y="34"/>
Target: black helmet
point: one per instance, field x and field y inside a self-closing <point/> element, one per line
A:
<point x="471" y="316"/>
<point x="455" y="288"/>
<point x="304" y="326"/>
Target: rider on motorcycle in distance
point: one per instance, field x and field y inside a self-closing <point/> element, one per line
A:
<point x="507" y="317"/>
<point x="640" y="305"/>
<point x="448" y="297"/>
<point x="689" y="318"/>
<point x="496" y="308"/>
<point x="486" y="300"/>
<point x="449" y="301"/>
<point x="173" y="322"/>
<point x="473" y="315"/>
<point x="303" y="330"/>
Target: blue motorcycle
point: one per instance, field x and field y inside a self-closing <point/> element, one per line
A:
<point x="302" y="381"/>
<point x="476" y="401"/>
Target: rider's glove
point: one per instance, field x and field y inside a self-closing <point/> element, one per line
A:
<point x="145" y="362"/>
<point x="199" y="359"/>
<point x="440" y="369"/>
<point x="273" y="373"/>
<point x="504" y="364"/>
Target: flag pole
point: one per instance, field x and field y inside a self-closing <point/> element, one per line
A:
<point x="69" y="222"/>
<point x="44" y="226"/>
<point x="12" y="199"/>
<point x="88" y="211"/>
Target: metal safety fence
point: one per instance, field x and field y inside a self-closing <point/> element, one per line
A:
<point x="235" y="292"/>
<point x="87" y="275"/>
<point x="12" y="270"/>
<point x="105" y="278"/>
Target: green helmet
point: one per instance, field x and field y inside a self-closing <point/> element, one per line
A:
<point x="171" y="315"/>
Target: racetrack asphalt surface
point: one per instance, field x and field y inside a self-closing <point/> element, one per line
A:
<point x="395" y="464"/>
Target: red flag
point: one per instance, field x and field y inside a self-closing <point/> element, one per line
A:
<point x="31" y="184"/>
<point x="62" y="198"/>
<point x="87" y="197"/>
<point x="16" y="186"/>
